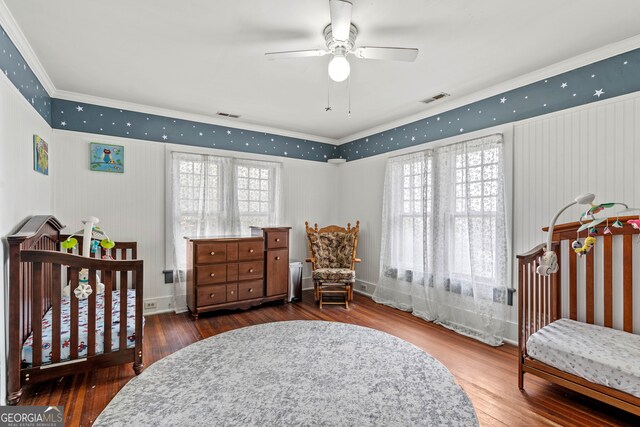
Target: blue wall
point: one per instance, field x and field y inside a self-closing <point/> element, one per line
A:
<point x="604" y="79"/>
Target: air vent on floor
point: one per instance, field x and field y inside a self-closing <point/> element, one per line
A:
<point x="229" y="115"/>
<point x="435" y="98"/>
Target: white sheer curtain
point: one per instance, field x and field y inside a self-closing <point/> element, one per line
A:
<point x="219" y="196"/>
<point x="460" y="281"/>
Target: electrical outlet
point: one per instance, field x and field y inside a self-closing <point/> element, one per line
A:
<point x="363" y="287"/>
<point x="150" y="305"/>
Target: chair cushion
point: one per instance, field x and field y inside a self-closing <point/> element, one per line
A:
<point x="334" y="275"/>
<point x="332" y="250"/>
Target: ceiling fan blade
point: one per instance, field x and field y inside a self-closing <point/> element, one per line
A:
<point x="389" y="53"/>
<point x="340" y="19"/>
<point x="296" y="54"/>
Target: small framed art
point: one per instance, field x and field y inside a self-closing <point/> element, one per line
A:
<point x="106" y="157"/>
<point x="40" y="155"/>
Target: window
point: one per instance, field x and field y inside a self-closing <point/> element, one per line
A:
<point x="416" y="188"/>
<point x="256" y="194"/>
<point x="474" y="214"/>
<point x="200" y="184"/>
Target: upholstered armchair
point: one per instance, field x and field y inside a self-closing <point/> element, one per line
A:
<point x="333" y="258"/>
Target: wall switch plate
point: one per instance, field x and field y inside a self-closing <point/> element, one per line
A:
<point x="149" y="305"/>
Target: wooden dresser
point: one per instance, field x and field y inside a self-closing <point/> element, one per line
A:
<point x="236" y="272"/>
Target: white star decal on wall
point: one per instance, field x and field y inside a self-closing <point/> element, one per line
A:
<point x="79" y="108"/>
<point x="228" y="132"/>
<point x="593" y="75"/>
<point x="625" y="62"/>
<point x="598" y="93"/>
<point x="461" y="130"/>
<point x="413" y="138"/>
<point x="164" y="136"/>
<point x="503" y="100"/>
<point x="563" y="85"/>
<point x="200" y="134"/>
<point x="63" y="123"/>
<point x="129" y="124"/>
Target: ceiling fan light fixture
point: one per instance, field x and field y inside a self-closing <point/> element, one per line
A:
<point x="339" y="67"/>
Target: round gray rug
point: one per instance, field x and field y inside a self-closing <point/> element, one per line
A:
<point x="303" y="373"/>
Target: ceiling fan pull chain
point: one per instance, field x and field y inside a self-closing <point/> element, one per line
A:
<point x="328" y="107"/>
<point x="349" y="89"/>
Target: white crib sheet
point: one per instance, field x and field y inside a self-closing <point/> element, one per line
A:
<point x="601" y="355"/>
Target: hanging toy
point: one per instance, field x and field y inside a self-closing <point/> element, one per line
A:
<point x="606" y="228"/>
<point x="586" y="248"/>
<point x="617" y="223"/>
<point x="635" y="223"/>
<point x="577" y="244"/>
<point x="93" y="239"/>
<point x="84" y="288"/>
<point x="593" y="231"/>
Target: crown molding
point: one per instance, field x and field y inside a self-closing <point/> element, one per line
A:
<point x="175" y="114"/>
<point x="578" y="61"/>
<point x="18" y="38"/>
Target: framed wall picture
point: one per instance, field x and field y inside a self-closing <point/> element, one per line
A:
<point x="40" y="155"/>
<point x="106" y="157"/>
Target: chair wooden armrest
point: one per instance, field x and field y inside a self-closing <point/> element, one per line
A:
<point x="311" y="260"/>
<point x="357" y="260"/>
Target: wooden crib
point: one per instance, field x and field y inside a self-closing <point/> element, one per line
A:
<point x="540" y="301"/>
<point x="38" y="271"/>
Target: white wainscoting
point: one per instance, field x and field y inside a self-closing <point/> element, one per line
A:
<point x="23" y="191"/>
<point x="594" y="148"/>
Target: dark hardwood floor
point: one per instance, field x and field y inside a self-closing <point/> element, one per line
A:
<point x="487" y="374"/>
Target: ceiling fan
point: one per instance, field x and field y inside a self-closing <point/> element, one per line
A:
<point x="340" y="36"/>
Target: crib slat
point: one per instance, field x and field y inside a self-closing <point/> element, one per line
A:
<point x="627" y="292"/>
<point x="124" y="275"/>
<point x="36" y="319"/>
<point x="73" y="345"/>
<point x="123" y="315"/>
<point x="56" y="305"/>
<point x="590" y="285"/>
<point x="91" y="314"/>
<point x="556" y="306"/>
<point x="108" y="306"/>
<point x="573" y="285"/>
<point x="608" y="281"/>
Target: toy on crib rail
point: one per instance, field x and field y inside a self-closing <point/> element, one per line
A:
<point x="93" y="238"/>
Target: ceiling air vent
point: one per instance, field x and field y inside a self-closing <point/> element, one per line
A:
<point x="229" y="115"/>
<point x="435" y="98"/>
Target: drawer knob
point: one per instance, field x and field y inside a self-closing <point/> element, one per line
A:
<point x="212" y="295"/>
<point x="212" y="253"/>
<point x="277" y="240"/>
<point x="250" y="251"/>
<point x="232" y="292"/>
<point x="251" y="270"/>
<point x="212" y="274"/>
<point x="250" y="290"/>
<point x="277" y="258"/>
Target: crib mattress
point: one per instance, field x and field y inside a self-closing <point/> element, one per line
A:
<point x="601" y="355"/>
<point x="65" y="328"/>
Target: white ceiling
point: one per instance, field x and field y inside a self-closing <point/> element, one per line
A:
<point x="207" y="56"/>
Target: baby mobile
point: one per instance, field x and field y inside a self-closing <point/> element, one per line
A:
<point x="583" y="248"/>
<point x="93" y="238"/>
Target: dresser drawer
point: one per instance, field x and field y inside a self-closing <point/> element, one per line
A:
<point x="232" y="292"/>
<point x="211" y="252"/>
<point x="208" y="274"/>
<point x="277" y="239"/>
<point x="250" y="270"/>
<point x="250" y="250"/>
<point x="210" y="295"/>
<point x="250" y="290"/>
